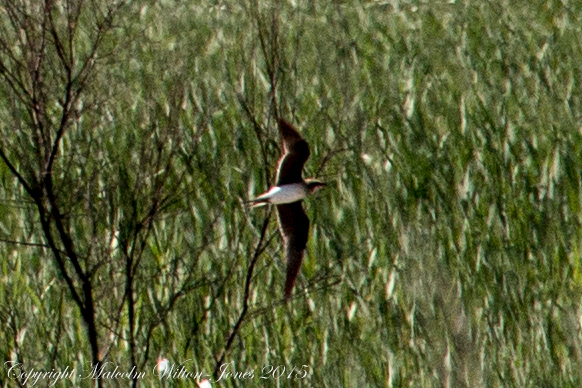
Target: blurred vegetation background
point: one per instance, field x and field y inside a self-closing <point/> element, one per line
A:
<point x="445" y="251"/>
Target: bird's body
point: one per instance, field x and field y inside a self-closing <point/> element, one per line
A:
<point x="278" y="195"/>
<point x="287" y="195"/>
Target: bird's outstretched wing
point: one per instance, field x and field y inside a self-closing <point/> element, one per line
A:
<point x="295" y="154"/>
<point x="294" y="227"/>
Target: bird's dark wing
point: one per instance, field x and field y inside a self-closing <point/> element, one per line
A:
<point x="295" y="154"/>
<point x="294" y="227"/>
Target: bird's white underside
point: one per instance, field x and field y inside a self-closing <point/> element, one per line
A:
<point x="278" y="195"/>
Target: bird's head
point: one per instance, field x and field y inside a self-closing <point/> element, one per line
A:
<point x="313" y="185"/>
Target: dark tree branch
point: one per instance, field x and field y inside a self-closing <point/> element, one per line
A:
<point x="258" y="250"/>
<point x="40" y="32"/>
<point x="60" y="48"/>
<point x="327" y="158"/>
<point x="259" y="133"/>
<point x="45" y="223"/>
<point x="34" y="194"/>
<point x="27" y="244"/>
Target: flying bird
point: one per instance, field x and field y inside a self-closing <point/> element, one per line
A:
<point x="287" y="195"/>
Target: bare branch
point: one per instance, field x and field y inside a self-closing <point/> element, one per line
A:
<point x="258" y="133"/>
<point x="24" y="243"/>
<point x="27" y="187"/>
<point x="258" y="250"/>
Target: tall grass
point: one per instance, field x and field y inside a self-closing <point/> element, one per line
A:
<point x="445" y="250"/>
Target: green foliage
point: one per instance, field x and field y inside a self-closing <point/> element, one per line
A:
<point x="443" y="252"/>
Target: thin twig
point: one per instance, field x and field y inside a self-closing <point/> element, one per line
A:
<point x="258" y="250"/>
<point x="28" y="244"/>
